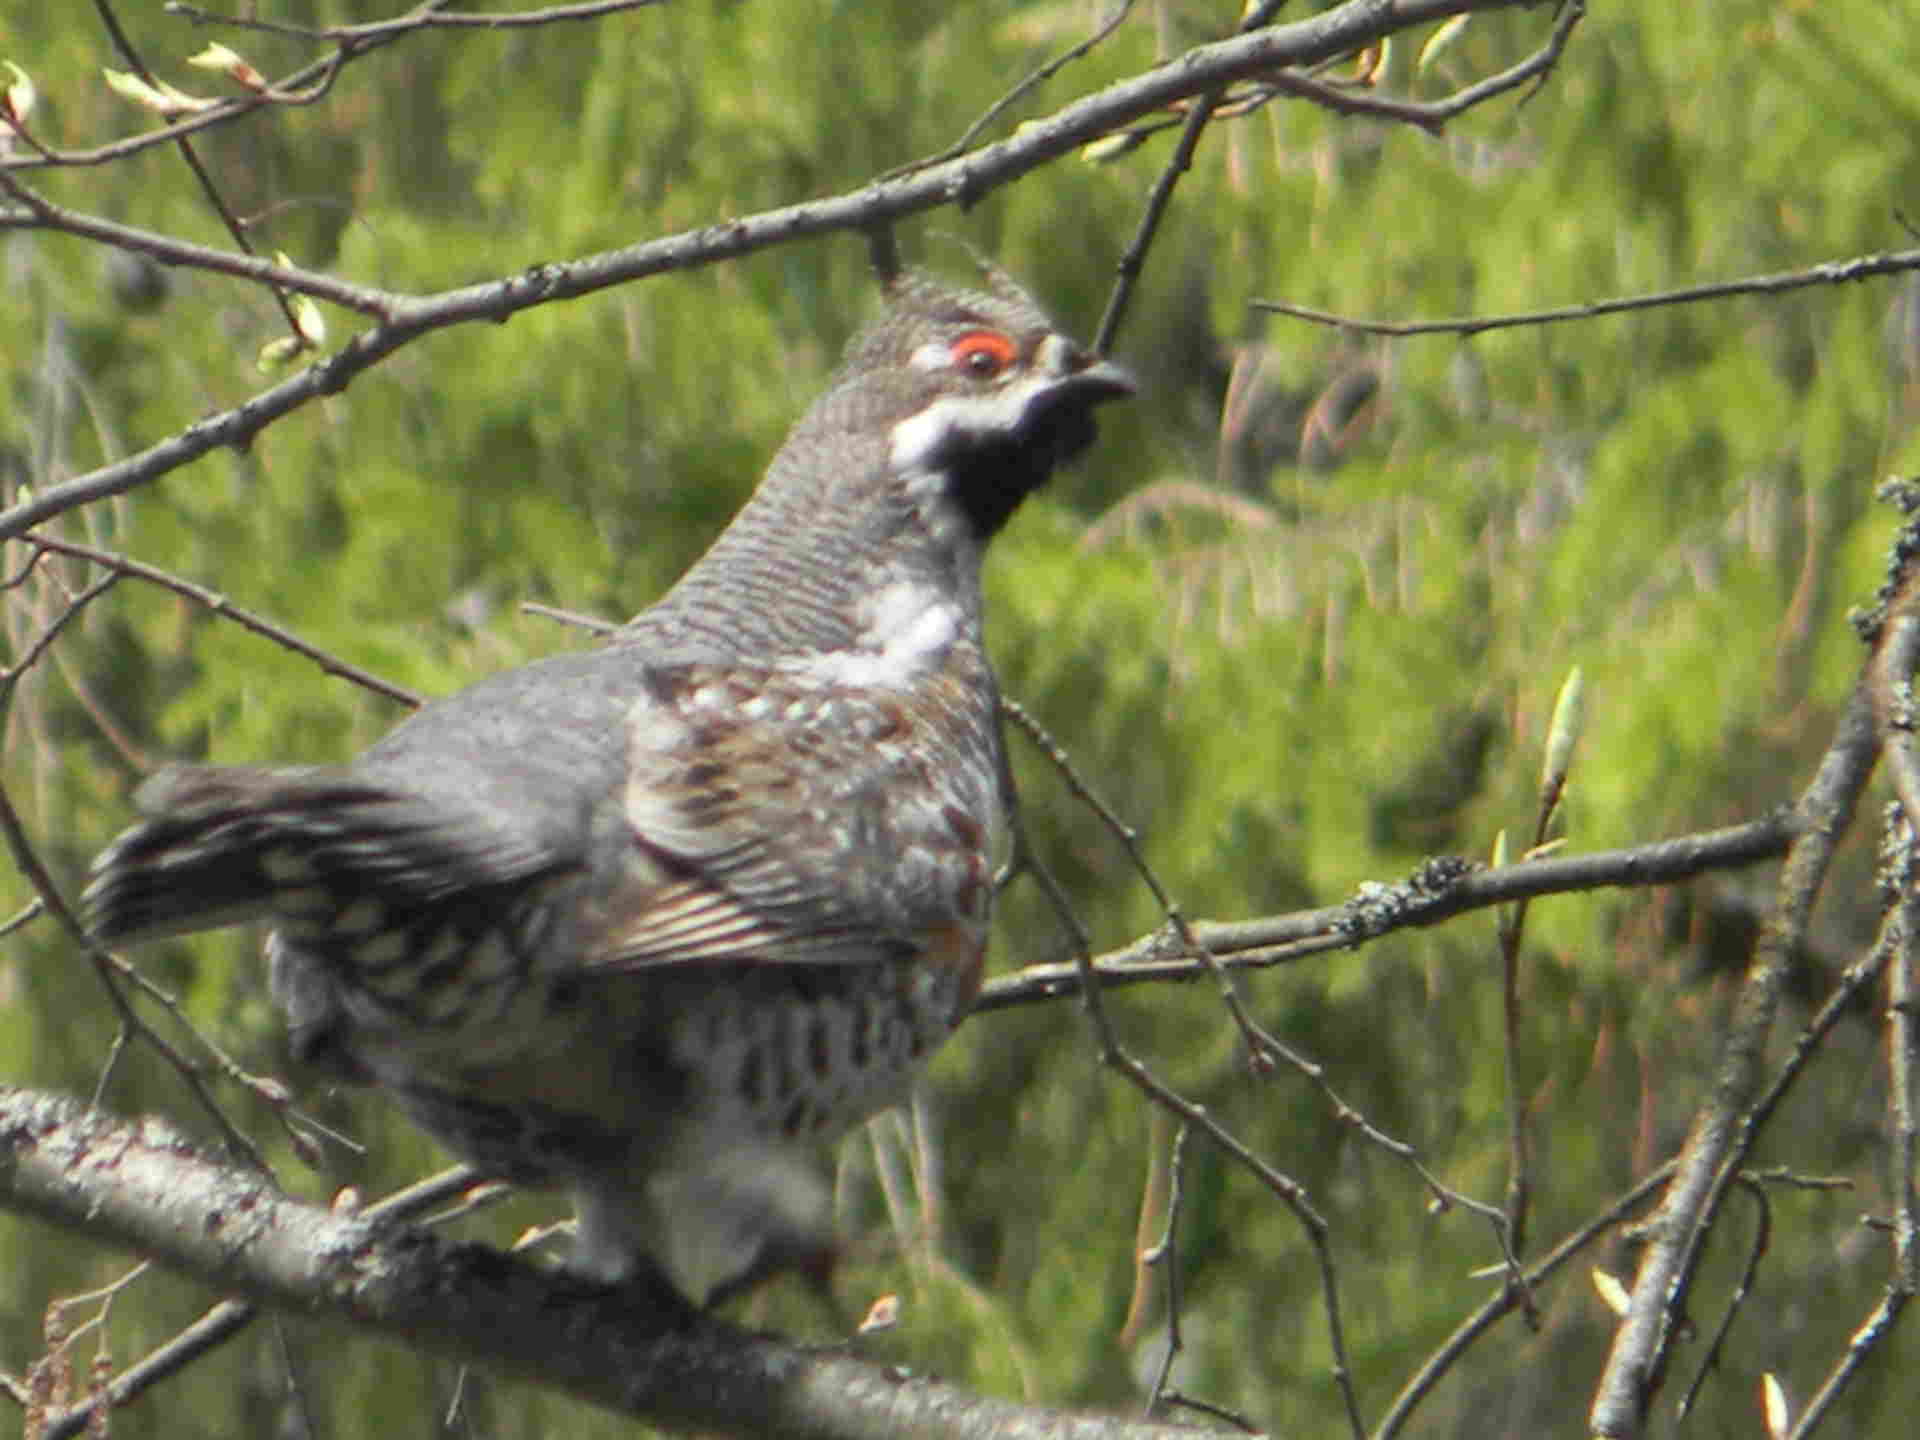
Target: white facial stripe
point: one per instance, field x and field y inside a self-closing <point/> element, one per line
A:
<point x="918" y="439"/>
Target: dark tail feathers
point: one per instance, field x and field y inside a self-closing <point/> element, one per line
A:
<point x="218" y="846"/>
<point x="225" y="845"/>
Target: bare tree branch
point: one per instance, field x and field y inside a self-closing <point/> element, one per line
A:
<point x="1123" y="1062"/>
<point x="124" y="44"/>
<point x="139" y="1184"/>
<point x="423" y="17"/>
<point x="1829" y="272"/>
<point x="1510" y="1298"/>
<point x="1443" y="889"/>
<point x="1113" y="21"/>
<point x="961" y="181"/>
<point x="309" y="84"/>
<point x="312" y="82"/>
<point x="228" y="1318"/>
<point x="1723" y="1128"/>
<point x="218" y="604"/>
<point x="1433" y="116"/>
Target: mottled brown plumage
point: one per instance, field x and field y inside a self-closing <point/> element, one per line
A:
<point x="653" y="921"/>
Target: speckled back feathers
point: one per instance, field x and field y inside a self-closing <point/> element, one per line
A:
<point x="646" y="922"/>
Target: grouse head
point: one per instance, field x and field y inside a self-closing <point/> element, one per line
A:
<point x="947" y="412"/>
<point x="958" y="402"/>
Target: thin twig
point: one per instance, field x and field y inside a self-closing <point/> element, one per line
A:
<point x="230" y="1317"/>
<point x="111" y="972"/>
<point x="1900" y="934"/>
<point x="959" y="181"/>
<point x="1898" y="720"/>
<point x="32" y="911"/>
<point x="1432" y="116"/>
<point x="124" y="44"/>
<point x="1112" y="1054"/>
<point x="1510" y="929"/>
<point x="1718" y="1141"/>
<point x="311" y="82"/>
<point x="1482" y="1320"/>
<point x="1165" y="1256"/>
<point x="1263" y="1047"/>
<point x="1756" y="1252"/>
<point x="1872" y="1334"/>
<point x="433" y="16"/>
<point x="305" y="87"/>
<point x="458" y="1191"/>
<point x="1133" y="261"/>
<point x="1129" y="839"/>
<point x="1831" y="272"/>
<point x="1853" y="984"/>
<point x="30" y="656"/>
<point x="591" y="623"/>
<point x="46" y="214"/>
<point x="1378" y="910"/>
<point x="1213" y="1408"/>
<point x="1903" y="1058"/>
<point x="1039" y="77"/>
<point x="219" y="605"/>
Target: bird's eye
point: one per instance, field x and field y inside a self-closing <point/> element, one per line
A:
<point x="982" y="354"/>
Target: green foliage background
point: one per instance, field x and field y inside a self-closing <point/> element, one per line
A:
<point x="1348" y="672"/>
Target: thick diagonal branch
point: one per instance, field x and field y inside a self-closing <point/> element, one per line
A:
<point x="139" y="1184"/>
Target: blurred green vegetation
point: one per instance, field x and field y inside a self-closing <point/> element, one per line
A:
<point x="1294" y="665"/>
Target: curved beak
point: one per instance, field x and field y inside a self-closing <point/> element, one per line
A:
<point x="1100" y="380"/>
<point x="1069" y="370"/>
